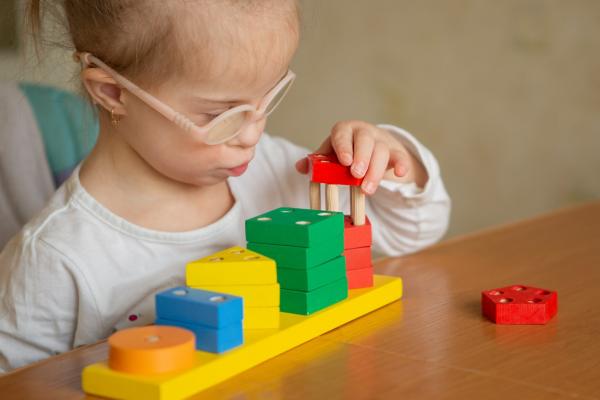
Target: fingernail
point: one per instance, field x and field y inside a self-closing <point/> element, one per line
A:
<point x="359" y="168"/>
<point x="369" y="187"/>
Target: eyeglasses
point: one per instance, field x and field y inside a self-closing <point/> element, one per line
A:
<point x="220" y="129"/>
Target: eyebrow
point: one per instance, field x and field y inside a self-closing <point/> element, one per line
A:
<point x="207" y="101"/>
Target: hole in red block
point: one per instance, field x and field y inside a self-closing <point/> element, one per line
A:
<point x="534" y="300"/>
<point x="495" y="293"/>
<point x="519" y="288"/>
<point x="542" y="292"/>
<point x="505" y="300"/>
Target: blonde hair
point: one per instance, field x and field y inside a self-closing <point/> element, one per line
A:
<point x="143" y="38"/>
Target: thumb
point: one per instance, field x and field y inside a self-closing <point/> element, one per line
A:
<point x="302" y="165"/>
<point x="325" y="147"/>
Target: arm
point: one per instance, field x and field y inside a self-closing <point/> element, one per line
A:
<point x="38" y="307"/>
<point x="409" y="214"/>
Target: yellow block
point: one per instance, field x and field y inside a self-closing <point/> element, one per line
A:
<point x="254" y="295"/>
<point x="233" y="266"/>
<point x="261" y="317"/>
<point x="260" y="345"/>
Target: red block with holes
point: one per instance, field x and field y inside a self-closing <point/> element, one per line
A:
<point x="357" y="236"/>
<point x="360" y="278"/>
<point x="519" y="304"/>
<point x="358" y="258"/>
<point x="325" y="168"/>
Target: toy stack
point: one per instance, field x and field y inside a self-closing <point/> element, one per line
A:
<point x="307" y="246"/>
<point x="326" y="169"/>
<point x="241" y="272"/>
<point x="357" y="249"/>
<point x="214" y="318"/>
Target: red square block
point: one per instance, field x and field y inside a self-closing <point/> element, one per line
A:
<point x="358" y="258"/>
<point x="360" y="278"/>
<point x="357" y="236"/>
<point x="519" y="304"/>
<point x="325" y="168"/>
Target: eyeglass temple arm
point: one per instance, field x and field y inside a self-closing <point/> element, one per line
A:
<point x="179" y="119"/>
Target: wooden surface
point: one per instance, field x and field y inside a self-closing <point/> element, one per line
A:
<point x="434" y="343"/>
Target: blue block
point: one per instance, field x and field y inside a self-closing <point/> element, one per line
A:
<point x="211" y="339"/>
<point x="199" y="307"/>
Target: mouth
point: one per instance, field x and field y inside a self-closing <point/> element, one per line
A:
<point x="239" y="170"/>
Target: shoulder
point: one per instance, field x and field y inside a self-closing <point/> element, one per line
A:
<point x="49" y="235"/>
<point x="272" y="179"/>
<point x="277" y="150"/>
<point x="275" y="158"/>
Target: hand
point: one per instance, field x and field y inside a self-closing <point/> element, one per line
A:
<point x="372" y="153"/>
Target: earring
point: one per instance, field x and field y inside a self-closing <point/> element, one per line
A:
<point x="114" y="119"/>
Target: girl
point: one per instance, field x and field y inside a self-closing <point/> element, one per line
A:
<point x="183" y="90"/>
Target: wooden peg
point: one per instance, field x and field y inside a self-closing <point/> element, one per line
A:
<point x="315" y="195"/>
<point x="332" y="197"/>
<point x="357" y="205"/>
<point x="351" y="202"/>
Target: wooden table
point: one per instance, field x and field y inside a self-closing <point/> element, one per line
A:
<point x="434" y="343"/>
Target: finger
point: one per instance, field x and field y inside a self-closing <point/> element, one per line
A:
<point x="377" y="168"/>
<point x="341" y="141"/>
<point x="302" y="165"/>
<point x="400" y="163"/>
<point x="325" y="147"/>
<point x="364" y="143"/>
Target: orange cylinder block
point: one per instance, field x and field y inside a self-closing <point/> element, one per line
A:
<point x="151" y="350"/>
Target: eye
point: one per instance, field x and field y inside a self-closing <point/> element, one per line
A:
<point x="204" y="118"/>
<point x="215" y="113"/>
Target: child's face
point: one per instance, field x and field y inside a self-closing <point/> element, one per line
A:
<point x="232" y="74"/>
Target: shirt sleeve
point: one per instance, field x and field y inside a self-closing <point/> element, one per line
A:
<point x="38" y="303"/>
<point x="407" y="218"/>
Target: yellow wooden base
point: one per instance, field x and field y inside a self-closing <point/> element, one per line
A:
<point x="261" y="317"/>
<point x="260" y="345"/>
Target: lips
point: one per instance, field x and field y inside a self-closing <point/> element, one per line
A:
<point x="239" y="170"/>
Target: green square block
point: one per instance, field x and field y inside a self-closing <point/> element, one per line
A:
<point x="312" y="278"/>
<point x="300" y="257"/>
<point x="298" y="302"/>
<point x="295" y="227"/>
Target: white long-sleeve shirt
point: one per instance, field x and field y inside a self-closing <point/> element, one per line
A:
<point x="77" y="272"/>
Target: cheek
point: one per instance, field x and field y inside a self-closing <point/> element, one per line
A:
<point x="168" y="149"/>
<point x="195" y="165"/>
<point x="172" y="153"/>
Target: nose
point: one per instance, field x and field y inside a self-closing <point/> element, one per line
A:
<point x="250" y="135"/>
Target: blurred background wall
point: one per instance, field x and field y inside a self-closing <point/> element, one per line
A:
<point x="505" y="93"/>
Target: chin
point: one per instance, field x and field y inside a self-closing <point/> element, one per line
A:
<point x="208" y="180"/>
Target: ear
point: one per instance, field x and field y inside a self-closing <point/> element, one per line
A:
<point x="103" y="89"/>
